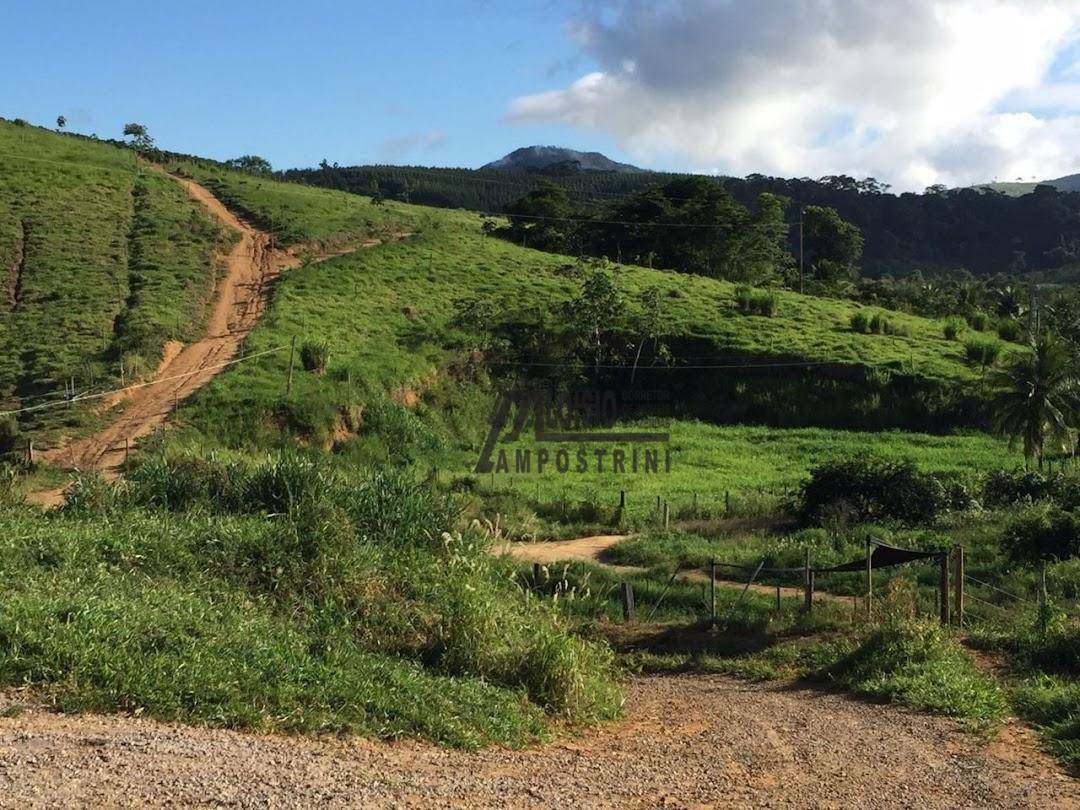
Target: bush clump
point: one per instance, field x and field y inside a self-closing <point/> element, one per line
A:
<point x="9" y="436"/>
<point x="1011" y="487"/>
<point x="1042" y="532"/>
<point x="982" y="351"/>
<point x="750" y="301"/>
<point x="315" y="355"/>
<point x="1010" y="330"/>
<point x="978" y="321"/>
<point x="876" y="324"/>
<point x="953" y="328"/>
<point x="867" y="488"/>
<point x="916" y="663"/>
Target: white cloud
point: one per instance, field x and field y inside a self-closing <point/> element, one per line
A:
<point x="910" y="91"/>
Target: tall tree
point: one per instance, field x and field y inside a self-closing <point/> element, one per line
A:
<point x="140" y="136"/>
<point x="833" y="246"/>
<point x="1035" y="397"/>
<point x="762" y="255"/>
<point x="252" y="164"/>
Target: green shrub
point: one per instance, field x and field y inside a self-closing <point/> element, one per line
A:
<point x="1010" y="330"/>
<point x="868" y="488"/>
<point x="953" y="328"/>
<point x="860" y="322"/>
<point x="134" y="365"/>
<point x="9" y="439"/>
<point x="183" y="482"/>
<point x="1042" y="532"/>
<point x="982" y="351"/>
<point x="978" y="321"/>
<point x="916" y="662"/>
<point x="285" y="482"/>
<point x="11" y="494"/>
<point x="750" y="301"/>
<point x="314" y="356"/>
<point x="873" y="324"/>
<point x="91" y="494"/>
<point x="1011" y="487"/>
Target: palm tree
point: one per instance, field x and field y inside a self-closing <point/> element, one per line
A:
<point x="1035" y="397"/>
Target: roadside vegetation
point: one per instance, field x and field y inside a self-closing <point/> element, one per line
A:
<point x="278" y="595"/>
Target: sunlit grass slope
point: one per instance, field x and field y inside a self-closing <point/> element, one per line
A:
<point x="99" y="258"/>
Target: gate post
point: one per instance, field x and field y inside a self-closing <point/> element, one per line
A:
<point x="944" y="587"/>
<point x="808" y="583"/>
<point x="958" y="585"/>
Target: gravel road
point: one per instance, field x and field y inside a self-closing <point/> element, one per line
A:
<point x="687" y="741"/>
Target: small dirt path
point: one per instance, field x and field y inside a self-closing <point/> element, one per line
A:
<point x="687" y="741"/>
<point x="592" y="549"/>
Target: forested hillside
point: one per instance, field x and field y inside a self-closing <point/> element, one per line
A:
<point x="984" y="233"/>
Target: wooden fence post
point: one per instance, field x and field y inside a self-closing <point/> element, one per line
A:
<point x="30" y="451"/>
<point x="665" y="514"/>
<point x="808" y="583"/>
<point x="944" y="589"/>
<point x="292" y="362"/>
<point x="712" y="591"/>
<point x="536" y="576"/>
<point x="622" y="499"/>
<point x="628" y="601"/>
<point x="958" y="584"/>
<point x="727" y="502"/>
<point x="778" y="596"/>
<point x="869" y="579"/>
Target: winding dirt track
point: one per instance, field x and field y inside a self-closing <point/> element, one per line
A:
<point x="592" y="549"/>
<point x="688" y="741"/>
<point x="242" y="295"/>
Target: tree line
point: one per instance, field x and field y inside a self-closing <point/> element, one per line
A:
<point x="979" y="230"/>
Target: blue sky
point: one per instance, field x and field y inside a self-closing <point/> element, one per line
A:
<point x="354" y="82"/>
<point x="913" y="92"/>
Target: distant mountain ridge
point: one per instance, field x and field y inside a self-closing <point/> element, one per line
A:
<point x="540" y="158"/>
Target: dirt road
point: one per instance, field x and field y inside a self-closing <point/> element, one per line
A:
<point x="688" y="741"/>
<point x="242" y="295"/>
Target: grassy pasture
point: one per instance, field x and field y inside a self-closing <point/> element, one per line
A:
<point x="389" y="317"/>
<point x="99" y="259"/>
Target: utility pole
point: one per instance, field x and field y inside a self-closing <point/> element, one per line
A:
<point x="800" y="248"/>
<point x="1033" y="310"/>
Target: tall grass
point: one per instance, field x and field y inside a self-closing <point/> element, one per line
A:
<point x="282" y="595"/>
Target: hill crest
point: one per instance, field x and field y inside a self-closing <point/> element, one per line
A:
<point x="540" y="158"/>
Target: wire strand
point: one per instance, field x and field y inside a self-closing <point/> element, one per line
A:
<point x="86" y="397"/>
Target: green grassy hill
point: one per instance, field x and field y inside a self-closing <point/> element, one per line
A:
<point x="102" y="260"/>
<point x="389" y="317"/>
<point x="107" y="259"/>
